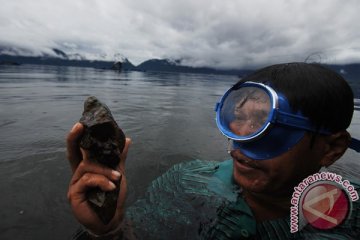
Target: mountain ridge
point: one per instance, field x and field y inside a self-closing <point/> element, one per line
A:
<point x="59" y="58"/>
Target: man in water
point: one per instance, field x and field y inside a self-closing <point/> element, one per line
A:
<point x="284" y="123"/>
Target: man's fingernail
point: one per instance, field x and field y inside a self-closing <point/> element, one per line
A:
<point x="116" y="174"/>
<point x="112" y="185"/>
<point x="74" y="127"/>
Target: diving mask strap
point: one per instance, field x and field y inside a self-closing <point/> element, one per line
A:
<point x="355" y="144"/>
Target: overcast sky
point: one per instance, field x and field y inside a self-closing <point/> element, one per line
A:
<point x="215" y="33"/>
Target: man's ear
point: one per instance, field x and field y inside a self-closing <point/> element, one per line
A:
<point x="336" y="145"/>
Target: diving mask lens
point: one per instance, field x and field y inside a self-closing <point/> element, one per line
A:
<point x="245" y="113"/>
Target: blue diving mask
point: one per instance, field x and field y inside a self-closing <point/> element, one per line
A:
<point x="260" y="121"/>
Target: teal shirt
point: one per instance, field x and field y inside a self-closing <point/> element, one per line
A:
<point x="199" y="200"/>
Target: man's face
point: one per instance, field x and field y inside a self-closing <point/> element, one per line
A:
<point x="278" y="175"/>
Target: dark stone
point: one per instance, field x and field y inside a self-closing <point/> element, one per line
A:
<point x="104" y="141"/>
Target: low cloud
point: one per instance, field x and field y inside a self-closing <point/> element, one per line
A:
<point x="216" y="33"/>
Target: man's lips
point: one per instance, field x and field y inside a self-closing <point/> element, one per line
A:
<point x="249" y="163"/>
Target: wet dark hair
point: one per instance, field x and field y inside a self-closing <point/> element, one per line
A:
<point x="319" y="93"/>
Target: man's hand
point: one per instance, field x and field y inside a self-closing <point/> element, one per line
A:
<point x="86" y="175"/>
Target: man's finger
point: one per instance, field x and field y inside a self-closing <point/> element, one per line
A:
<point x="124" y="154"/>
<point x="77" y="191"/>
<point x="95" y="168"/>
<point x="90" y="180"/>
<point x="73" y="148"/>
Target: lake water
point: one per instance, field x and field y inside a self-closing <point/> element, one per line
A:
<point x="169" y="116"/>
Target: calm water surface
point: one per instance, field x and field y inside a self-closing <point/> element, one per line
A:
<point x="169" y="117"/>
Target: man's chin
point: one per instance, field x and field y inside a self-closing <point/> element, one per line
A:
<point x="250" y="184"/>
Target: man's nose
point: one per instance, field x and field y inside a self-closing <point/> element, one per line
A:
<point x="244" y="128"/>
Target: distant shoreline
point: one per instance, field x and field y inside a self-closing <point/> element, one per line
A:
<point x="152" y="65"/>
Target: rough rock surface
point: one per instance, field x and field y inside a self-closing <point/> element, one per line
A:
<point x="104" y="141"/>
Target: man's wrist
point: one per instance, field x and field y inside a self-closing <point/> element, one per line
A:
<point x="115" y="234"/>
